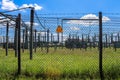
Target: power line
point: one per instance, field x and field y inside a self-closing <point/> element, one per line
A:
<point x="39" y="20"/>
<point x="16" y="9"/>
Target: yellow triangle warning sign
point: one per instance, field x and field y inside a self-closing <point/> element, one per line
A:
<point x="59" y="29"/>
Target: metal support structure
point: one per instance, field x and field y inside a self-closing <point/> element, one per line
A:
<point x="44" y="39"/>
<point x="62" y="39"/>
<point x="51" y="37"/>
<point x="7" y="29"/>
<point x="19" y="43"/>
<point x="26" y="38"/>
<point x="100" y="46"/>
<point x="38" y="37"/>
<point x="58" y="36"/>
<point x="111" y="38"/>
<point x="82" y="38"/>
<point x="62" y="34"/>
<point x="118" y="37"/>
<point x="3" y="39"/>
<point x="47" y="40"/>
<point x="31" y="33"/>
<point x="106" y="43"/>
<point x="35" y="46"/>
<point x="16" y="38"/>
<point x="23" y="41"/>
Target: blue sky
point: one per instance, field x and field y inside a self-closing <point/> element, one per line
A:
<point x="65" y="6"/>
<point x="70" y="6"/>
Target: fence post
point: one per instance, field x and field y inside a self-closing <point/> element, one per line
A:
<point x="7" y="29"/>
<point x="31" y="33"/>
<point x="100" y="46"/>
<point x="16" y="38"/>
<point x="19" y="44"/>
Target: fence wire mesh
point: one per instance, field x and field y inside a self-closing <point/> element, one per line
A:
<point x="72" y="52"/>
<point x="111" y="45"/>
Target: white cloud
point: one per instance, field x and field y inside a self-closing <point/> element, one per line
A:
<point x="36" y="6"/>
<point x="8" y="5"/>
<point x="105" y="19"/>
<point x="28" y="23"/>
<point x="88" y="22"/>
<point x="42" y="33"/>
<point x="3" y="19"/>
<point x="74" y="28"/>
<point x="89" y="16"/>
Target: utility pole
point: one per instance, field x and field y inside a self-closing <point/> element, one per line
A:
<point x="100" y="46"/>
<point x="31" y="33"/>
<point x="7" y="29"/>
<point x="19" y="43"/>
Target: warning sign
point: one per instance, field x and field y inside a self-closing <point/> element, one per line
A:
<point x="59" y="29"/>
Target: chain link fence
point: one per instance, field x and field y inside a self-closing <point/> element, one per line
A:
<point x="111" y="46"/>
<point x="62" y="46"/>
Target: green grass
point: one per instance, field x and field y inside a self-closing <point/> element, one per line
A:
<point x="62" y="64"/>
